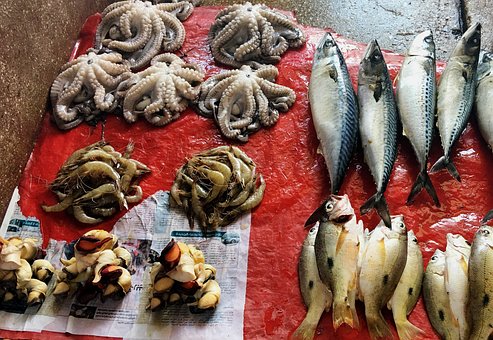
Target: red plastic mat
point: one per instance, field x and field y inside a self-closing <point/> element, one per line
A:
<point x="297" y="182"/>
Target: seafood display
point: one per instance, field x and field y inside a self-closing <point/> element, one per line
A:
<point x="316" y="295"/>
<point x="252" y="34"/>
<point x="407" y="292"/>
<point x="96" y="182"/>
<point x="456" y="95"/>
<point x="99" y="267"/>
<point x="436" y="298"/>
<point x="377" y="125"/>
<point x="416" y="101"/>
<point x="162" y="91"/>
<point x="217" y="186"/>
<point x="382" y="265"/>
<point x="23" y="275"/>
<point x="334" y="109"/>
<point x="182" y="276"/>
<point x="85" y="88"/>
<point x="479" y="307"/>
<point x="139" y="30"/>
<point x="242" y="101"/>
<point x="336" y="249"/>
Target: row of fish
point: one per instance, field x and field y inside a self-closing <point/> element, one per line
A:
<point x="457" y="287"/>
<point x="341" y="262"/>
<point x="336" y="110"/>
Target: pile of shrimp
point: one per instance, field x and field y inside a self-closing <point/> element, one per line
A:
<point x="96" y="182"/>
<point x="217" y="186"/>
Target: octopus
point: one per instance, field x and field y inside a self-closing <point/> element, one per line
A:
<point x="85" y="88"/>
<point x="139" y="29"/>
<point x="241" y="101"/>
<point x="247" y="34"/>
<point x="195" y="3"/>
<point x="162" y="91"/>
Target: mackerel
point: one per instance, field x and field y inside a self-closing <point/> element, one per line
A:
<point x="416" y="100"/>
<point x="484" y="103"/>
<point x="377" y="125"/>
<point x="334" y="109"/>
<point x="456" y="91"/>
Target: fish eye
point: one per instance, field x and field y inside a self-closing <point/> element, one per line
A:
<point x="429" y="39"/>
<point x="485" y="232"/>
<point x="468" y="243"/>
<point x="312" y="230"/>
<point x="415" y="240"/>
<point x="475" y="40"/>
<point x="376" y="57"/>
<point x="434" y="258"/>
<point x="329" y="206"/>
<point x="401" y="225"/>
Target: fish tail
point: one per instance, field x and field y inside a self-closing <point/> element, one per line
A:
<point x="445" y="163"/>
<point x="342" y="312"/>
<point x="377" y="326"/>
<point x="407" y="331"/>
<point x="423" y="180"/>
<point x="378" y="202"/>
<point x="305" y="331"/>
<point x="488" y="216"/>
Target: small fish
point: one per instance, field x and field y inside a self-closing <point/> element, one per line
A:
<point x="381" y="268"/>
<point x="334" y="109"/>
<point x="456" y="263"/>
<point x="377" y="125"/>
<point x="337" y="248"/>
<point x="480" y="306"/>
<point x="456" y="95"/>
<point x="484" y="103"/>
<point x="316" y="296"/>
<point x="436" y="298"/>
<point x="416" y="100"/>
<point x="407" y="292"/>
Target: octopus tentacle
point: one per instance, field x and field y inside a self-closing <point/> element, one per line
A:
<point x="182" y="10"/>
<point x="160" y="118"/>
<point x="144" y="31"/>
<point x="69" y="93"/>
<point x="176" y="92"/>
<point x="267" y="72"/>
<point x="174" y="34"/>
<point x="112" y="68"/>
<point x="121" y="5"/>
<point x="167" y="58"/>
<point x="184" y="88"/>
<point x="102" y="101"/>
<point x="281" y="97"/>
<point x="126" y="23"/>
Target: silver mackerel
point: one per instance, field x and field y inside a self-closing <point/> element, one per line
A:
<point x="377" y="125"/>
<point x="416" y="100"/>
<point x="456" y="91"/>
<point x="334" y="109"/>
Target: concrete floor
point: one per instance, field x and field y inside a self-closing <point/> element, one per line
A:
<point x="40" y="35"/>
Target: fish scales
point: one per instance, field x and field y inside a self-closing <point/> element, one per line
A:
<point x="334" y="109"/>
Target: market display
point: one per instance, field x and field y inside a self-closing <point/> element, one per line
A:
<point x="242" y="101"/>
<point x="456" y="92"/>
<point x="377" y="125"/>
<point x="252" y="34"/>
<point x="336" y="249"/>
<point x="162" y="91"/>
<point x="96" y="182"/>
<point x="317" y="297"/>
<point x="334" y="109"/>
<point x="416" y="102"/>
<point x="23" y="276"/>
<point x="84" y="88"/>
<point x="217" y="186"/>
<point x="139" y="30"/>
<point x="99" y="267"/>
<point x="408" y="290"/>
<point x="182" y="276"/>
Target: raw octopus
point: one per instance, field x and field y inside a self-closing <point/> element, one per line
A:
<point x="95" y="182"/>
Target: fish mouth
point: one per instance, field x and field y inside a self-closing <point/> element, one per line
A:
<point x="371" y="48"/>
<point x="326" y="44"/>
<point x="343" y="218"/>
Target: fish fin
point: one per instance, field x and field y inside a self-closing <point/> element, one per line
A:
<point x="343" y="313"/>
<point x="333" y="73"/>
<point x="378" y="202"/>
<point x="442" y="163"/>
<point x="340" y="241"/>
<point x="305" y="331"/>
<point x="464" y="264"/>
<point x="423" y="180"/>
<point x="407" y="331"/>
<point x="377" y="326"/>
<point x="487" y="217"/>
<point x="316" y="215"/>
<point x="377" y="90"/>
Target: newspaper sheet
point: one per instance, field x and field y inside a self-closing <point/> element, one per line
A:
<point x="144" y="231"/>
